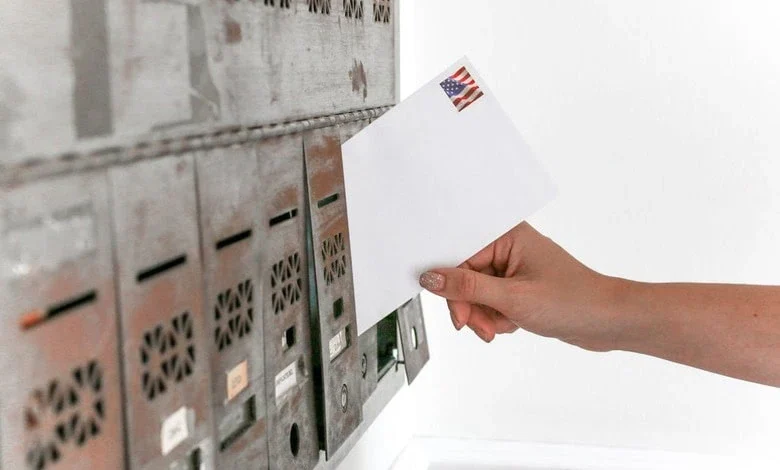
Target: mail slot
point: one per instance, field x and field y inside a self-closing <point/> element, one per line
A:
<point x="284" y="268"/>
<point x="230" y="221"/>
<point x="334" y="314"/>
<point x="165" y="338"/>
<point x="60" y="396"/>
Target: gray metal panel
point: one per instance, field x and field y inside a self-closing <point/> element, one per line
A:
<point x="60" y="398"/>
<point x="337" y="327"/>
<point x="169" y="415"/>
<point x="414" y="341"/>
<point x="54" y="84"/>
<point x="369" y="376"/>
<point x="291" y="415"/>
<point x="231" y="220"/>
<point x="162" y="70"/>
<point x="291" y="59"/>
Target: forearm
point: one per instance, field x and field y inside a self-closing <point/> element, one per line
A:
<point x="732" y="330"/>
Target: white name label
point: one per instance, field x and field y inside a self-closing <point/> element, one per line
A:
<point x="237" y="380"/>
<point x="176" y="429"/>
<point x="286" y="380"/>
<point x="338" y="343"/>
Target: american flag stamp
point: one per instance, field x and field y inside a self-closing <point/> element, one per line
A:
<point x="461" y="88"/>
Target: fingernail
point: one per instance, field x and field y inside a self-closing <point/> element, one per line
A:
<point x="458" y="325"/>
<point x="432" y="281"/>
<point x="482" y="335"/>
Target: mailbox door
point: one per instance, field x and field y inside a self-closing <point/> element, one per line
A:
<point x="284" y="268"/>
<point x="335" y="323"/>
<point x="60" y="397"/>
<point x="228" y="183"/>
<point x="165" y="341"/>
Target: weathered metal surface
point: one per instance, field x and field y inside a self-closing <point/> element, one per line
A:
<point x="60" y="397"/>
<point x="161" y="72"/>
<point x="98" y="74"/>
<point x="369" y="374"/>
<point x="139" y="89"/>
<point x="165" y="341"/>
<point x="315" y="57"/>
<point x="414" y="341"/>
<point x="336" y="328"/>
<point x="97" y="156"/>
<point x="292" y="419"/>
<point x="230" y="220"/>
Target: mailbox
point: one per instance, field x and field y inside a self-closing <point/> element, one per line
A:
<point x="165" y="341"/>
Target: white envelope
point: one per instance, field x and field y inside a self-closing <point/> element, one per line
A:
<point x="429" y="184"/>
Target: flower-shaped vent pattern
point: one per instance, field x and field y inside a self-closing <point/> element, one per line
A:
<point x="353" y="9"/>
<point x="319" y="6"/>
<point x="167" y="353"/>
<point x="234" y="314"/>
<point x="67" y="412"/>
<point x="282" y="3"/>
<point x="382" y="10"/>
<point x="286" y="282"/>
<point x="334" y="258"/>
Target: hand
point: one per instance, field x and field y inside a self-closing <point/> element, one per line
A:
<point x="526" y="280"/>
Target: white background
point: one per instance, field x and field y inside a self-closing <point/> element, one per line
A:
<point x="660" y="123"/>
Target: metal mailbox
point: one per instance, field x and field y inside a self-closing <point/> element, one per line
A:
<point x="230" y="219"/>
<point x="165" y="341"/>
<point x="334" y="322"/>
<point x="292" y="418"/>
<point x="60" y="398"/>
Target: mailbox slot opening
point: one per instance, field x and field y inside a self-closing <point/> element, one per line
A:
<point x="386" y="343"/>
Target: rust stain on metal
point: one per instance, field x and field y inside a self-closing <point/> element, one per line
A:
<point x="232" y="31"/>
<point x="31" y="318"/>
<point x="324" y="159"/>
<point x="358" y="77"/>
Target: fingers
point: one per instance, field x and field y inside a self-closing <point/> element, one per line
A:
<point x="468" y="286"/>
<point x="484" y="321"/>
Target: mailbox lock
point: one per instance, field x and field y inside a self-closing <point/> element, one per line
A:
<point x="344" y="398"/>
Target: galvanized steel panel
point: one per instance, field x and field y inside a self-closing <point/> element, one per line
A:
<point x="60" y="398"/>
<point x="315" y="57"/>
<point x="336" y="323"/>
<point x="292" y="419"/>
<point x="231" y="219"/>
<point x="165" y="350"/>
<point x="54" y="77"/>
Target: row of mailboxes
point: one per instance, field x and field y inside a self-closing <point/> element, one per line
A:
<point x="192" y="311"/>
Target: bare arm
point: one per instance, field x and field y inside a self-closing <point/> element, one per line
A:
<point x="733" y="330"/>
<point x="526" y="280"/>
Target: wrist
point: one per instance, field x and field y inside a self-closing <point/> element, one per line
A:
<point x="632" y="325"/>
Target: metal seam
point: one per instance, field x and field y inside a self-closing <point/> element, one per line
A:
<point x="67" y="163"/>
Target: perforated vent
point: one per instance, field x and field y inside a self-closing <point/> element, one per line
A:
<point x="319" y="6"/>
<point x="234" y="314"/>
<point x="382" y="10"/>
<point x="281" y="3"/>
<point x="167" y="354"/>
<point x="286" y="283"/>
<point x="353" y="9"/>
<point x="63" y="415"/>
<point x="334" y="258"/>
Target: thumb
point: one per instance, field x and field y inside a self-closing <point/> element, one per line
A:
<point x="466" y="285"/>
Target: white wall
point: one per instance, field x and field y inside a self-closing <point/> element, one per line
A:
<point x="660" y="122"/>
